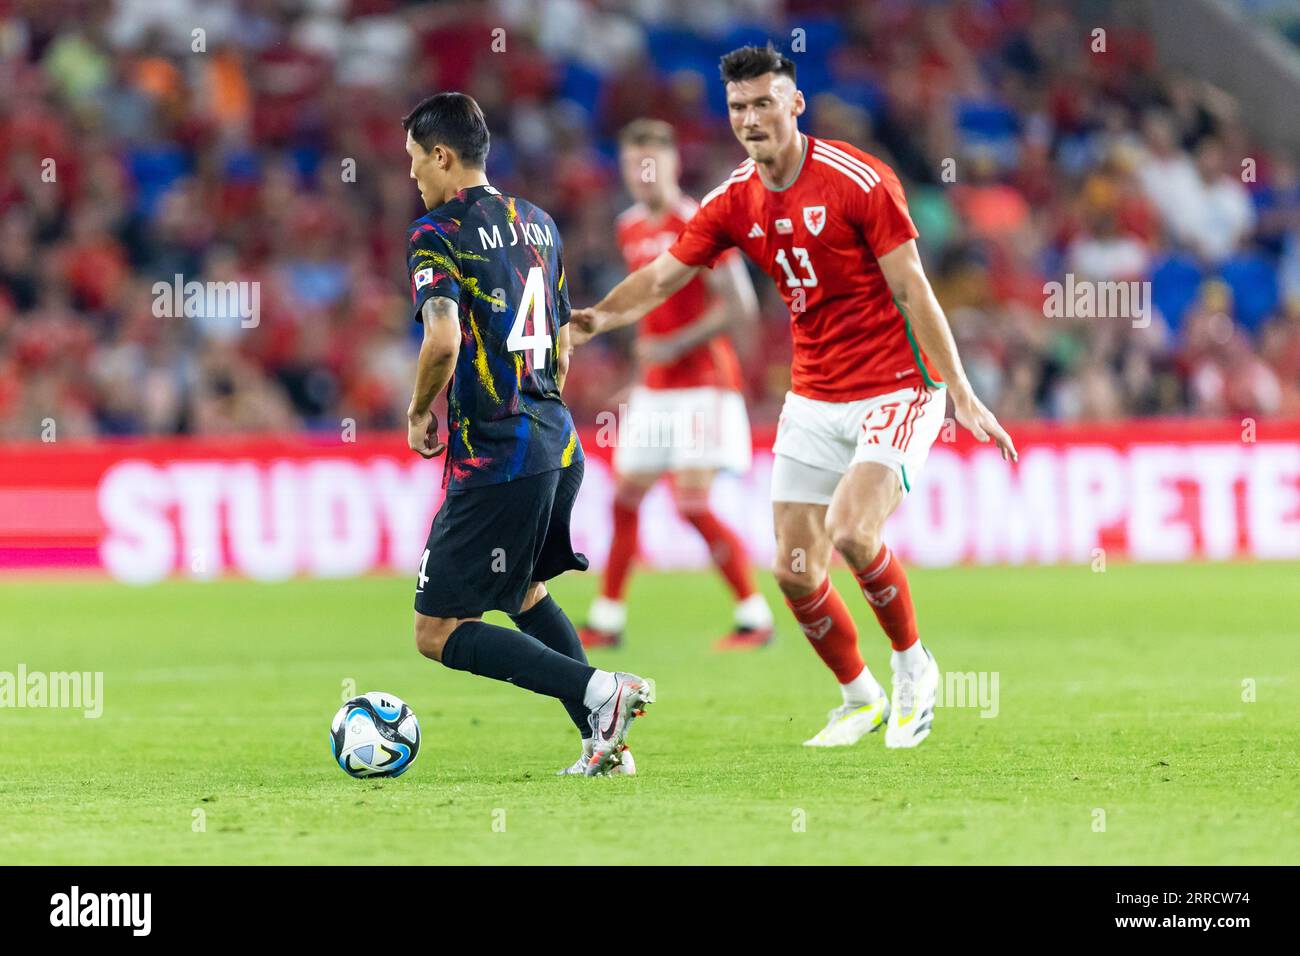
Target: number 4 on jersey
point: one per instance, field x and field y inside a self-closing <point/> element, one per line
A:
<point x="534" y="302"/>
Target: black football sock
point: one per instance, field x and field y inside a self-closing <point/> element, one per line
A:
<point x="547" y="622"/>
<point x="521" y="659"/>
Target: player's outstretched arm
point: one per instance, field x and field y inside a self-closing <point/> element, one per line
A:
<point x="907" y="280"/>
<point x="438" y="354"/>
<point x="736" y="310"/>
<point x="648" y="287"/>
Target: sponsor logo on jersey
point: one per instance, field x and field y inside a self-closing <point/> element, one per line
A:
<point x="814" y="217"/>
<point x="756" y="232"/>
<point x="784" y="226"/>
<point x="423" y="277"/>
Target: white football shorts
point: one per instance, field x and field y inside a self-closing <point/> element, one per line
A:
<point x="672" y="429"/>
<point x="817" y="442"/>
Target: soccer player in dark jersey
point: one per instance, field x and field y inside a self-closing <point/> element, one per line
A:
<point x="487" y="279"/>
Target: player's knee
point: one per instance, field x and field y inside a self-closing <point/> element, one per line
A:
<point x="795" y="576"/>
<point x="858" y="544"/>
<point x="431" y="635"/>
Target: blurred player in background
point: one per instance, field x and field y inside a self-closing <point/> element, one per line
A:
<point x="690" y="383"/>
<point x="487" y="281"/>
<point x="829" y="223"/>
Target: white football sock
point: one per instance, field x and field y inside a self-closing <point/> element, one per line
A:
<point x="863" y="689"/>
<point x="600" y="688"/>
<point x="607" y="615"/>
<point x="754" y="613"/>
<point x="912" y="660"/>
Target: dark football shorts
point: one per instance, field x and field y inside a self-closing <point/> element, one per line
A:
<point x="489" y="543"/>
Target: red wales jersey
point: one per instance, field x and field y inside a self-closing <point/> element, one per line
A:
<point x="819" y="239"/>
<point x="642" y="236"/>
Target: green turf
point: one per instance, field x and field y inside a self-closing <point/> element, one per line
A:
<point x="1119" y="692"/>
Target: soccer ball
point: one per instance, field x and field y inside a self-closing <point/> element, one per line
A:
<point x="375" y="735"/>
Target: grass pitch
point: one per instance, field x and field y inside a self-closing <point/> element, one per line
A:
<point x="1121" y="733"/>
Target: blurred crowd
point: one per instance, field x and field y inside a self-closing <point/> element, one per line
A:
<point x="259" y="141"/>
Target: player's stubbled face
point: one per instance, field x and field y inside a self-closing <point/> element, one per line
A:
<point x="648" y="171"/>
<point x="424" y="170"/>
<point x="764" y="114"/>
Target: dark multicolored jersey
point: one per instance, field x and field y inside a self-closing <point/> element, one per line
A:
<point x="499" y="256"/>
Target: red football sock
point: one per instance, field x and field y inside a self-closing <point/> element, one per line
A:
<point x="829" y="627"/>
<point x="726" y="549"/>
<point x="884" y="585"/>
<point x="622" y="549"/>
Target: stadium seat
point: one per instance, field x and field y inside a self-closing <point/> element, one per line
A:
<point x="582" y="86"/>
<point x="1174" y="283"/>
<point x="1253" y="281"/>
<point x="153" y="170"/>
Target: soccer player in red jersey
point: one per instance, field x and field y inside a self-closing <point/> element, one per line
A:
<point x="873" y="359"/>
<point x="690" y="386"/>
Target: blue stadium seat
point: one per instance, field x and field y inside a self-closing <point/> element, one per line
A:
<point x="863" y="94"/>
<point x="671" y="50"/>
<point x="1253" y="281"/>
<point x="502" y="159"/>
<point x="987" y="120"/>
<point x="243" y="164"/>
<point x="582" y="86"/>
<point x="1174" y="284"/>
<point x="821" y="37"/>
<point x="153" y="169"/>
<point x="306" y="159"/>
<point x="751" y="34"/>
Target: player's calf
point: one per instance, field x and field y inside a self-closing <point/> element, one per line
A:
<point x="868" y="494"/>
<point x="803" y="553"/>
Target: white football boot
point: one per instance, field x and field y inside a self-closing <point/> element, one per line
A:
<point x="610" y="721"/>
<point x="626" y="766"/>
<point x="849" y="723"/>
<point x="912" y="712"/>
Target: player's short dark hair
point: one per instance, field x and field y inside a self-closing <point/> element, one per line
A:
<point x="453" y="120"/>
<point x="749" y="62"/>
<point x="647" y="132"/>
